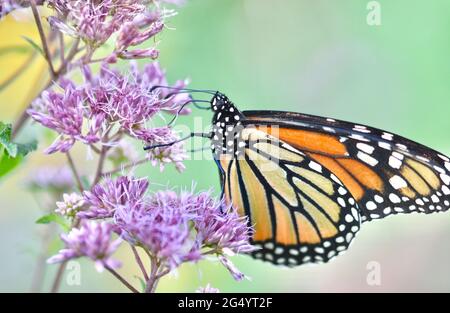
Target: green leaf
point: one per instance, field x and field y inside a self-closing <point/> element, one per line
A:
<point x="25" y="148"/>
<point x="7" y="163"/>
<point x="34" y="45"/>
<point x="54" y="218"/>
<point x="14" y="49"/>
<point x="11" y="154"/>
<point x="5" y="139"/>
<point x="141" y="282"/>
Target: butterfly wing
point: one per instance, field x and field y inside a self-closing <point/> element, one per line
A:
<point x="386" y="173"/>
<point x="301" y="211"/>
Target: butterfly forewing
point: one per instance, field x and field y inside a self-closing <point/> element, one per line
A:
<point x="386" y="173"/>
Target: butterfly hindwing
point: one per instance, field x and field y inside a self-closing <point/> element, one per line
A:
<point x="386" y="173"/>
<point x="301" y="212"/>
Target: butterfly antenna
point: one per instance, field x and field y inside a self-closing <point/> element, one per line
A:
<point x="211" y="92"/>
<point x="203" y="135"/>
<point x="184" y="105"/>
<point x="198" y="149"/>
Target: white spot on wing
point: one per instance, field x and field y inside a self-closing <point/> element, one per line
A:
<point x="398" y="155"/>
<point x="293" y="252"/>
<point x="446" y="179"/>
<point x="424" y="159"/>
<point x="397" y="182"/>
<point x="394" y="162"/>
<point x="279" y="250"/>
<point x="333" y="177"/>
<point x="315" y="166"/>
<point x="365" y="147"/>
<point x="371" y="205"/>
<point x="361" y="129"/>
<point x="445" y="190"/>
<point x="394" y="198"/>
<point x="349" y="237"/>
<point x="319" y="250"/>
<point x="367" y="158"/>
<point x="387" y="136"/>
<point x="348" y="218"/>
<point x="447" y="166"/>
<point x="359" y="137"/>
<point x="269" y="245"/>
<point x="384" y="145"/>
<point x="355" y="214"/>
<point x="329" y="129"/>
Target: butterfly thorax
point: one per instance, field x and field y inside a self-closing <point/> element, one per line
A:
<point x="226" y="126"/>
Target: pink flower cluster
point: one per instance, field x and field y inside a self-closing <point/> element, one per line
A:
<point x="112" y="102"/>
<point x="174" y="228"/>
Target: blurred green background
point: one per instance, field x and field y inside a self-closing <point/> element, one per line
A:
<point x="317" y="57"/>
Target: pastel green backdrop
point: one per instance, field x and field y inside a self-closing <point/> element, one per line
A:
<point x="317" y="57"/>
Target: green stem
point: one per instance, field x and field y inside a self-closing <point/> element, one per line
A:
<point x="153" y="279"/>
<point x="47" y="55"/>
<point x="74" y="172"/>
<point x="101" y="163"/>
<point x="122" y="280"/>
<point x="61" y="47"/>
<point x="139" y="262"/>
<point x="18" y="125"/>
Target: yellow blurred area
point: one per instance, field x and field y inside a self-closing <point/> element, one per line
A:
<point x="17" y="63"/>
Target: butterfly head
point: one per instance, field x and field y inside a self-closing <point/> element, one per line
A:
<point x="226" y="124"/>
<point x="224" y="110"/>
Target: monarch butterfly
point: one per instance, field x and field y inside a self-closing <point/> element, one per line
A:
<point x="307" y="183"/>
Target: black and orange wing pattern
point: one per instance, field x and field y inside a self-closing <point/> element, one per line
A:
<point x="301" y="212"/>
<point x="306" y="182"/>
<point x="386" y="173"/>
